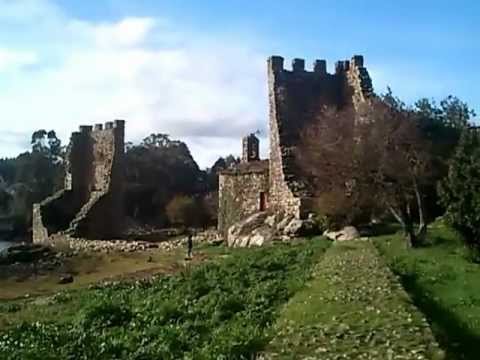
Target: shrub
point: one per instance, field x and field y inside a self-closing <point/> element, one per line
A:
<point x="185" y="211"/>
<point x="460" y="192"/>
<point x="106" y="314"/>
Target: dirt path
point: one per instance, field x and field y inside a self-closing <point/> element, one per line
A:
<point x="353" y="308"/>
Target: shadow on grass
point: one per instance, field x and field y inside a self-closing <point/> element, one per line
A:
<point x="454" y="337"/>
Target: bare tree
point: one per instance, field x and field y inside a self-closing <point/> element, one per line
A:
<point x="373" y="159"/>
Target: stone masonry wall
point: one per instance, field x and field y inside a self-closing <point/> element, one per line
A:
<point x="239" y="195"/>
<point x="296" y="99"/>
<point x="91" y="205"/>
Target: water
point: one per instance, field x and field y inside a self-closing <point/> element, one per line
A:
<point x="5" y="245"/>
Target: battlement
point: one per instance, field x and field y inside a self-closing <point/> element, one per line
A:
<point x="276" y="65"/>
<point x="297" y="98"/>
<point x="109" y="125"/>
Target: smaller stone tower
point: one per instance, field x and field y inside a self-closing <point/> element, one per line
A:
<point x="250" y="148"/>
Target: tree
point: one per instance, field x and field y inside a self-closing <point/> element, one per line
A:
<point x="442" y="126"/>
<point x="219" y="165"/>
<point x="156" y="170"/>
<point x="185" y="211"/>
<point x="460" y="191"/>
<point x="397" y="161"/>
<point x="377" y="160"/>
<point x="47" y="143"/>
<point x="31" y="177"/>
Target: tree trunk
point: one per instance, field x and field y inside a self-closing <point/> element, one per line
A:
<point x="410" y="236"/>
<point x="422" y="226"/>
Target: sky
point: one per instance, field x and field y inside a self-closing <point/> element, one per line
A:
<point x="196" y="70"/>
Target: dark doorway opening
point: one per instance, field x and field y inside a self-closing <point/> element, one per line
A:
<point x="263" y="201"/>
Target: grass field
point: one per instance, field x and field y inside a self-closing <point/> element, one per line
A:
<point x="304" y="300"/>
<point x="222" y="309"/>
<point x="444" y="284"/>
<point x="88" y="268"/>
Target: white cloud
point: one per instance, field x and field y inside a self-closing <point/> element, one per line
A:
<point x="158" y="77"/>
<point x="12" y="60"/>
<point x="128" y="32"/>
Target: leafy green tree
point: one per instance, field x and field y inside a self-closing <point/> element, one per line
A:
<point x="47" y="143"/>
<point x="441" y="125"/>
<point x="158" y="169"/>
<point x="460" y="191"/>
<point x="31" y="177"/>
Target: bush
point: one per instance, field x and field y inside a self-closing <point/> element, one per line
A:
<point x="185" y="211"/>
<point x="460" y="192"/>
<point x="106" y="314"/>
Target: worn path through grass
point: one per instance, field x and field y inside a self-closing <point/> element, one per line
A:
<point x="444" y="283"/>
<point x="353" y="308"/>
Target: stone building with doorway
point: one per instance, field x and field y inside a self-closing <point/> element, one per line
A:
<point x="296" y="99"/>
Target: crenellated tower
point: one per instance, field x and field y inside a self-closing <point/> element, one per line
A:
<point x="297" y="98"/>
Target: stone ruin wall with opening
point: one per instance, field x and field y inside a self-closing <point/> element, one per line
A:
<point x="239" y="194"/>
<point x="296" y="98"/>
<point x="241" y="187"/>
<point x="91" y="203"/>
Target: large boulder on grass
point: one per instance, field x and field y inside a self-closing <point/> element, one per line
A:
<point x="251" y="231"/>
<point x="345" y="234"/>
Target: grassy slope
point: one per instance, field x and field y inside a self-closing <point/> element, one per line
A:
<point x="353" y="308"/>
<point x="90" y="268"/>
<point x="219" y="308"/>
<point x="444" y="284"/>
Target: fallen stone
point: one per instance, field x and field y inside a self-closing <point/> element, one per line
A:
<point x="239" y="234"/>
<point x="345" y="234"/>
<point x="66" y="279"/>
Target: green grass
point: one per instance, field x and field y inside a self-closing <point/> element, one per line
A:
<point x="353" y="308"/>
<point x="444" y="284"/>
<point x="88" y="268"/>
<point x="221" y="309"/>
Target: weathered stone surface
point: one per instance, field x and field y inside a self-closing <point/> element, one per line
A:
<point x="240" y="192"/>
<point x="294" y="227"/>
<point x="296" y="99"/>
<point x="345" y="234"/>
<point x="91" y="204"/>
<point x="270" y="220"/>
<point x="283" y="223"/>
<point x="251" y="231"/>
<point x="297" y="227"/>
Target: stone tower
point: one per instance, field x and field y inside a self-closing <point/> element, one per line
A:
<point x="296" y="99"/>
<point x="250" y="148"/>
<point x="91" y="204"/>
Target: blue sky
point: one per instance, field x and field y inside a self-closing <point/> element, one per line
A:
<point x="196" y="69"/>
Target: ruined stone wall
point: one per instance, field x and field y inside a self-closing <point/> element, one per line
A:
<point x="240" y="194"/>
<point x="296" y="99"/>
<point x="91" y="205"/>
<point x="101" y="216"/>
